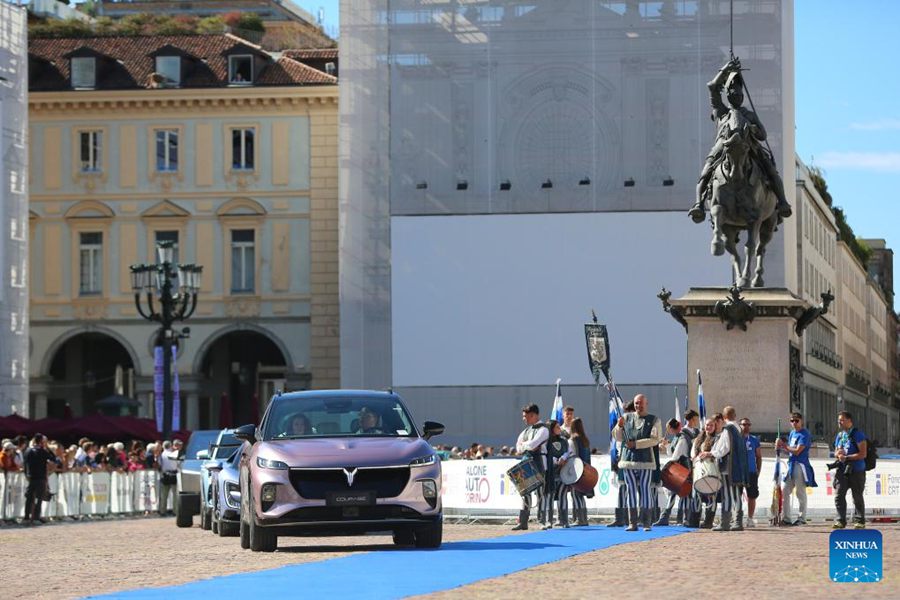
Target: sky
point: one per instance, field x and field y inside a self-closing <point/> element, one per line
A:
<point x="848" y="110"/>
<point x="847" y="105"/>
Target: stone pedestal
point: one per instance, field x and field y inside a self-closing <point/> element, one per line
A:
<point x="757" y="369"/>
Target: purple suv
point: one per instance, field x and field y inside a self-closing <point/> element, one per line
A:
<point x="339" y="462"/>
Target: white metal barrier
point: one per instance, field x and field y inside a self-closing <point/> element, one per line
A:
<point x="76" y="494"/>
<point x="481" y="488"/>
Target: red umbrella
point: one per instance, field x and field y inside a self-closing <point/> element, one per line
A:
<point x="254" y="410"/>
<point x="225" y="418"/>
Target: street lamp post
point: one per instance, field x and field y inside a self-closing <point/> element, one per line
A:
<point x="176" y="287"/>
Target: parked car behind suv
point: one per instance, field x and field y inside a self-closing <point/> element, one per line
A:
<point x="226" y="494"/>
<point x="222" y="448"/>
<point x="187" y="500"/>
<point x="339" y="462"/>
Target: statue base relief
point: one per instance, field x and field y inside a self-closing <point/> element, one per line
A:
<point x="746" y="345"/>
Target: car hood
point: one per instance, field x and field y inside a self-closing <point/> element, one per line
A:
<point x="345" y="452"/>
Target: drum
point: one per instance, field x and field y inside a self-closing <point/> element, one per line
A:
<point x="580" y="475"/>
<point x="707" y="479"/>
<point x="526" y="476"/>
<point x="677" y="478"/>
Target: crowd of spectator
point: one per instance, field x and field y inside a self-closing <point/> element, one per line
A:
<point x="478" y="451"/>
<point x="86" y="456"/>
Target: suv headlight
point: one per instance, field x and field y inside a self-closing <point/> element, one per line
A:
<point x="267" y="463"/>
<point x="425" y="460"/>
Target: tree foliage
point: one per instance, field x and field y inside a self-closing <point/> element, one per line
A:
<point x="858" y="247"/>
<point x="145" y="24"/>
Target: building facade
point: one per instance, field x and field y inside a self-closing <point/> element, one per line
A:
<point x="849" y="352"/>
<point x="13" y="211"/>
<point x="508" y="167"/>
<point x="209" y="143"/>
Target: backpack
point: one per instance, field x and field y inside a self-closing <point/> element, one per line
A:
<point x="871" y="455"/>
<point x="871" y="452"/>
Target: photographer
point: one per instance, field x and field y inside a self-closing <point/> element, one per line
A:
<point x="850" y="448"/>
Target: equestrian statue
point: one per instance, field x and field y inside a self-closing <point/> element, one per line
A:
<point x="739" y="182"/>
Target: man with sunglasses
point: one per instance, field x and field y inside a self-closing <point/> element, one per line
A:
<point x="799" y="474"/>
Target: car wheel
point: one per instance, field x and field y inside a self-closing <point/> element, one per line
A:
<point x="245" y="535"/>
<point x="205" y="519"/>
<point x="227" y="529"/>
<point x="430" y="536"/>
<point x="404" y="537"/>
<point x="183" y="518"/>
<point x="261" y="539"/>
<point x="215" y="524"/>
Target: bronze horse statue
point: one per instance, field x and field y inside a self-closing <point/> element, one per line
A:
<point x="739" y="181"/>
<point x="741" y="200"/>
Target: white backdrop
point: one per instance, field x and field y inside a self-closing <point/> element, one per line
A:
<point x="502" y="299"/>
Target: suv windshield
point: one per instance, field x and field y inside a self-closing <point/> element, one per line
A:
<point x="336" y="417"/>
<point x="199" y="440"/>
<point x="226" y="446"/>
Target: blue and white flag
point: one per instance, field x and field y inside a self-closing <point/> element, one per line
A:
<point x="613" y="411"/>
<point x="678" y="408"/>
<point x="556" y="413"/>
<point x="701" y="402"/>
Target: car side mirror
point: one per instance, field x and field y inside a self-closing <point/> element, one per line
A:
<point x="431" y="429"/>
<point x="203" y="455"/>
<point x="246" y="433"/>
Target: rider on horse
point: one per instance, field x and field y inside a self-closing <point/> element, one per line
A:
<point x="730" y="119"/>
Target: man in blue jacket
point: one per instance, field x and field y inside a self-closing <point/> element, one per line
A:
<point x="799" y="473"/>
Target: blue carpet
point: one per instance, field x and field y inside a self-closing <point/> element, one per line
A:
<point x="396" y="573"/>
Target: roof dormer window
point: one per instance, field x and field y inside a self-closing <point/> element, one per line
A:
<point x="240" y="69"/>
<point x="170" y="69"/>
<point x="84" y="72"/>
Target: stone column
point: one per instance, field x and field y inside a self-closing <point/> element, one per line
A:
<point x="40" y="406"/>
<point x="192" y="420"/>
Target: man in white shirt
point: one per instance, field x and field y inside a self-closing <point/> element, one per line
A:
<point x="168" y="466"/>
<point x="532" y="443"/>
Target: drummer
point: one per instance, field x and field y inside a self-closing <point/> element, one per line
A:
<point x="691" y="504"/>
<point x="532" y="443"/>
<point x="580" y="448"/>
<point x="566" y="491"/>
<point x="680" y="452"/>
<point x="557" y="450"/>
<point x="700" y="451"/>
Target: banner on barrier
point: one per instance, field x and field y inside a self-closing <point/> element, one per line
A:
<point x="95" y="493"/>
<point x="14" y="496"/>
<point x="482" y="486"/>
<point x="146" y="486"/>
<point x="121" y="493"/>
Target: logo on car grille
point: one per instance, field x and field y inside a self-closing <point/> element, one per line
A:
<point x="351" y="475"/>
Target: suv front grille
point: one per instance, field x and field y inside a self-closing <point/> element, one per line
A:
<point x="315" y="484"/>
<point x="362" y="513"/>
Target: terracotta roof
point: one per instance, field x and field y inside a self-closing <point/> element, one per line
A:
<point x="308" y="53"/>
<point x="128" y="61"/>
<point x="287" y="71"/>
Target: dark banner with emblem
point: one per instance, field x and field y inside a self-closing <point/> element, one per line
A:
<point x="597" y="349"/>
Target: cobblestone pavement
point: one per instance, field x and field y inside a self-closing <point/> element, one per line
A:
<point x="76" y="559"/>
<point x="765" y="562"/>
